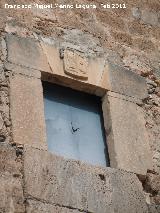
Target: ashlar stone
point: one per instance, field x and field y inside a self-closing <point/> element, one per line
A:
<point x="153" y="208"/>
<point x="149" y="17"/>
<point x="126" y="134"/>
<point x="11" y="191"/>
<point x="22" y="70"/>
<point x="74" y="70"/>
<point x="27" y="111"/>
<point x="124" y="81"/>
<point x="26" y="52"/>
<point x="57" y="181"/>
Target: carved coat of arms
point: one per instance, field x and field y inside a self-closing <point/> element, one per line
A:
<point x="75" y="64"/>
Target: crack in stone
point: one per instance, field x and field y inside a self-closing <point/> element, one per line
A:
<point x="29" y="197"/>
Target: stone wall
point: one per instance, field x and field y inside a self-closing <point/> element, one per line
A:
<point x="129" y="38"/>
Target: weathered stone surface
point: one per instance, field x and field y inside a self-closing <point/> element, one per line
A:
<point x="97" y="74"/>
<point x="27" y="111"/>
<point x="125" y="82"/>
<point x="99" y="25"/>
<point x="44" y="14"/>
<point x="2" y="75"/>
<point x="75" y="65"/>
<point x="26" y="52"/>
<point x="22" y="70"/>
<point x="127" y="138"/>
<point x="136" y="13"/>
<point x="40" y="207"/>
<point x="153" y="208"/>
<point x="124" y="97"/>
<point x="3" y="48"/>
<point x="152" y="116"/>
<point x="4" y="107"/>
<point x="83" y="42"/>
<point x="152" y="185"/>
<point x="69" y="183"/>
<point x="53" y="57"/>
<point x="149" y="17"/>
<point x="11" y="192"/>
<point x="94" y="84"/>
<point x="1" y="122"/>
<point x="137" y="62"/>
<point x="92" y="68"/>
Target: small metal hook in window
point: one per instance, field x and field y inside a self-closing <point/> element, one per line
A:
<point x="73" y="129"/>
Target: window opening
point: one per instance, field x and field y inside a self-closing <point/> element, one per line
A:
<point x="74" y="125"/>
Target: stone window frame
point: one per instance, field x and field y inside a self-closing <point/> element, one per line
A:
<point x="122" y="92"/>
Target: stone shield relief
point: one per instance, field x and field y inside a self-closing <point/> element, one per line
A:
<point x="75" y="64"/>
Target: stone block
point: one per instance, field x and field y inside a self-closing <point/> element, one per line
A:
<point x="8" y="163"/>
<point x="152" y="183"/>
<point x="57" y="181"/>
<point x="40" y="207"/>
<point x="22" y="70"/>
<point x="27" y="111"/>
<point x="125" y="82"/>
<point x="97" y="75"/>
<point x="127" y="138"/>
<point x="124" y="97"/>
<point x="11" y="195"/>
<point x="153" y="208"/>
<point x="26" y="52"/>
<point x="138" y="28"/>
<point x="136" y="12"/>
<point x="11" y="191"/>
<point x="122" y="37"/>
<point x="149" y="17"/>
<point x="76" y="71"/>
<point x="44" y="14"/>
<point x="53" y="57"/>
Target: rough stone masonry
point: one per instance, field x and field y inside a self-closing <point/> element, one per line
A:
<point x="31" y="178"/>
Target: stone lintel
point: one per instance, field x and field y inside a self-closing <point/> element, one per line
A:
<point x="75" y="69"/>
<point x="27" y="111"/>
<point x="126" y="134"/>
<point x="72" y="83"/>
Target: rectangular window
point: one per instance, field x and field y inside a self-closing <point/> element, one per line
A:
<point x="75" y="125"/>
